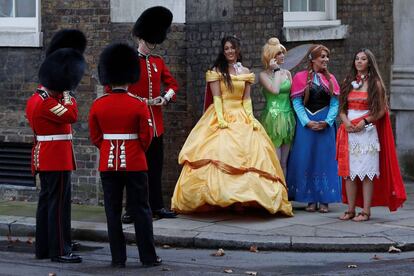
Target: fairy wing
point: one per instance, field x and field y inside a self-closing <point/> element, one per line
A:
<point x="295" y="56"/>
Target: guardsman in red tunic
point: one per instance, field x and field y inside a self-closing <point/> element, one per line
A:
<point x="149" y="30"/>
<point x="50" y="112"/>
<point x="121" y="127"/>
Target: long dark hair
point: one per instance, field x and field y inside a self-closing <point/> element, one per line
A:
<point x="221" y="65"/>
<point x="377" y="98"/>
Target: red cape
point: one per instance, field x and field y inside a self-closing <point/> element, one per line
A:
<point x="208" y="97"/>
<point x="389" y="187"/>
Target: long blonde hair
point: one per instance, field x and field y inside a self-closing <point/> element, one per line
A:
<point x="270" y="50"/>
<point x="314" y="52"/>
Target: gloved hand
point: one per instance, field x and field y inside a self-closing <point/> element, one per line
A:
<point x="160" y="101"/>
<point x="248" y="107"/>
<point x="67" y="97"/>
<point x="218" y="106"/>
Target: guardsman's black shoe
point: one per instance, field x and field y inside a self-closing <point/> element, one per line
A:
<point x="164" y="213"/>
<point x="68" y="258"/>
<point x="157" y="262"/>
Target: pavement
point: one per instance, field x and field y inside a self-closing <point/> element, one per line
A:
<point x="232" y="230"/>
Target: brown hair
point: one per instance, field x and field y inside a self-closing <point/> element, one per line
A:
<point x="314" y="52"/>
<point x="377" y="98"/>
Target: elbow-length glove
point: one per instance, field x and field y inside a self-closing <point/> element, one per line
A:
<point x="218" y="106"/>
<point x="248" y="107"/>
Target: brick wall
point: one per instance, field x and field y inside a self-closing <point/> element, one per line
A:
<point x="251" y="21"/>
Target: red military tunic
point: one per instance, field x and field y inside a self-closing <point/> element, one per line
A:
<point x="120" y="126"/>
<point x="154" y="72"/>
<point x="50" y="119"/>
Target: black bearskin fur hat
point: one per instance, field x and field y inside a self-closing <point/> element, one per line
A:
<point x="62" y="70"/>
<point x="118" y="65"/>
<point x="152" y="25"/>
<point x="67" y="38"/>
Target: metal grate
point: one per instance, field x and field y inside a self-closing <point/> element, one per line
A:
<point x="15" y="168"/>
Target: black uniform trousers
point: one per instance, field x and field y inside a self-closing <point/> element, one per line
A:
<point x="136" y="184"/>
<point x="155" y="158"/>
<point x="53" y="227"/>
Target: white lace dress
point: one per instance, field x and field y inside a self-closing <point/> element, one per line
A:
<point x="364" y="149"/>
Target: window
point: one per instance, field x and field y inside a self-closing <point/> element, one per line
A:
<point x="20" y="23"/>
<point x="309" y="13"/>
<point x="128" y="10"/>
<point x="310" y="20"/>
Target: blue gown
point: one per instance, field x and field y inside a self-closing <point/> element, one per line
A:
<point x="312" y="174"/>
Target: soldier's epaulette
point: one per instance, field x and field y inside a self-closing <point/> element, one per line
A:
<point x="101" y="96"/>
<point x="135" y="96"/>
<point x="43" y="94"/>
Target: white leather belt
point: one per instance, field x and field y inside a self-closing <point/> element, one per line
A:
<point x="131" y="136"/>
<point x="57" y="137"/>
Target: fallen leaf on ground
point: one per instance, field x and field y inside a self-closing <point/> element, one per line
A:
<point x="228" y="271"/>
<point x="166" y="269"/>
<point x="253" y="249"/>
<point x="219" y="253"/>
<point x="166" y="246"/>
<point x="52" y="274"/>
<point x="394" y="249"/>
<point x="352" y="266"/>
<point x="376" y="257"/>
<point x="253" y="273"/>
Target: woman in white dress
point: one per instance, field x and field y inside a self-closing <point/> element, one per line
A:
<point x="363" y="104"/>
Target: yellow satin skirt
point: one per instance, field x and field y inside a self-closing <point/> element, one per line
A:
<point x="222" y="167"/>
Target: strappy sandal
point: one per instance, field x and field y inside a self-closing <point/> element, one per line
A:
<point x="311" y="208"/>
<point x="347" y="215"/>
<point x="323" y="208"/>
<point x="363" y="217"/>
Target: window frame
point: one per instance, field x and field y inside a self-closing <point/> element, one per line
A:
<point x="22" y="31"/>
<point x="313" y="18"/>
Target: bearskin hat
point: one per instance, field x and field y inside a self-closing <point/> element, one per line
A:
<point x="67" y="38"/>
<point x="62" y="70"/>
<point x="118" y="65"/>
<point x="152" y="25"/>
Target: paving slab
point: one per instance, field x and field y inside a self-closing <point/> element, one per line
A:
<point x="320" y="231"/>
<point x="409" y="222"/>
<point x="362" y="229"/>
<point x="219" y="228"/>
<point x="295" y="230"/>
<point x="242" y="241"/>
<point x="258" y="224"/>
<point x="180" y="223"/>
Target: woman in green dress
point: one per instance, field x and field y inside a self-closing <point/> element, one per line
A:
<point x="277" y="118"/>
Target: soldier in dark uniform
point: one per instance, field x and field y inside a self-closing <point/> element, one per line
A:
<point x="50" y="112"/>
<point x="149" y="30"/>
<point x="121" y="127"/>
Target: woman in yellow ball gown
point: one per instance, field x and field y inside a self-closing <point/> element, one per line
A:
<point x="228" y="159"/>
